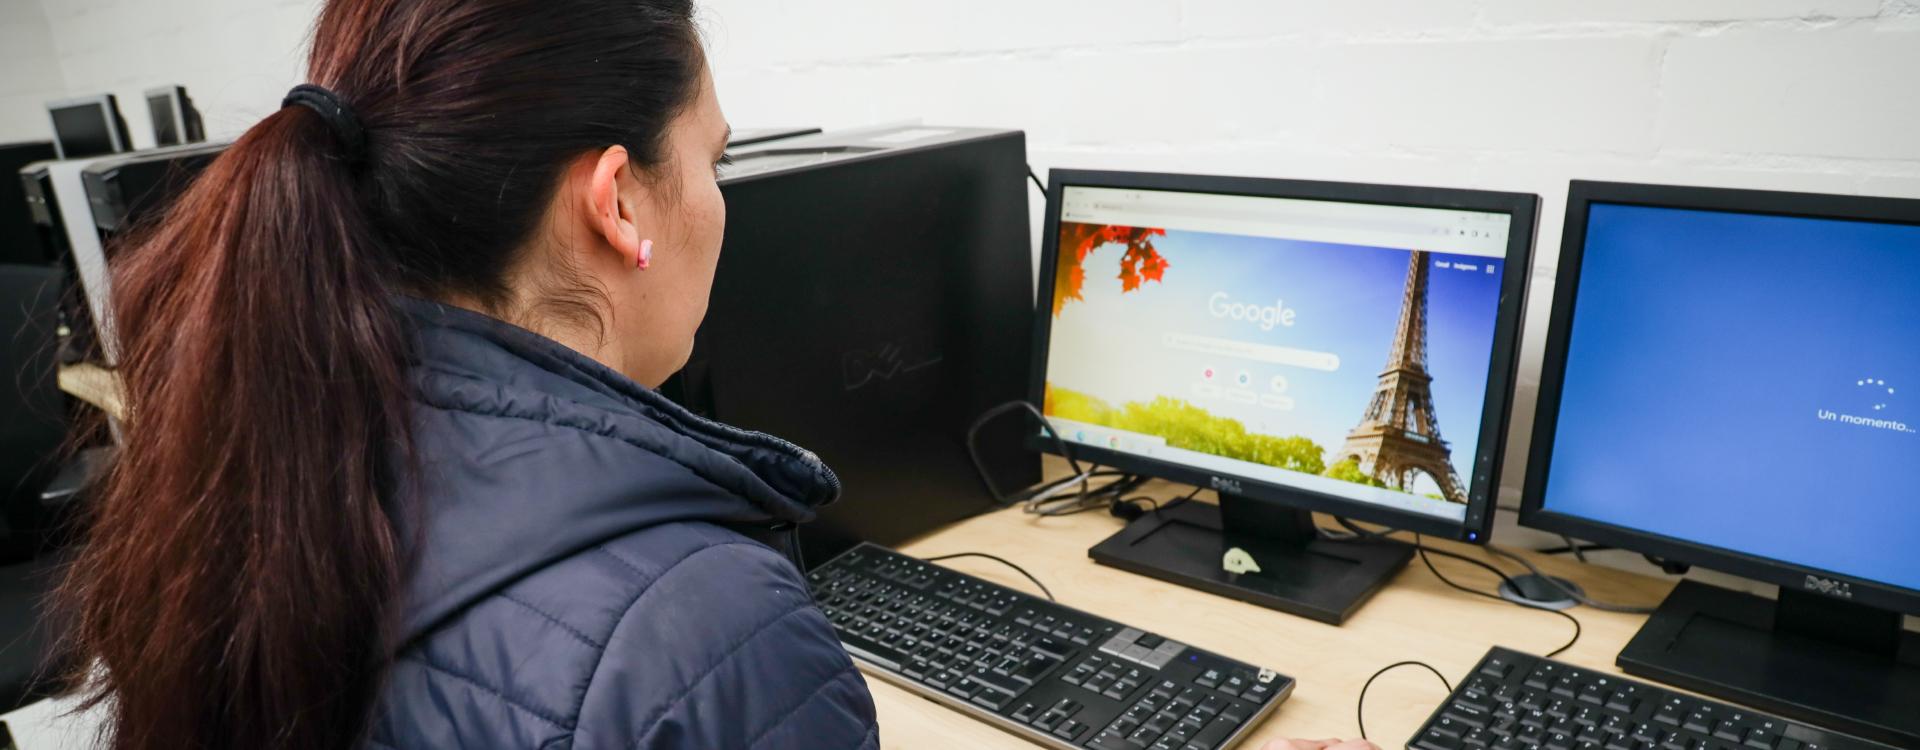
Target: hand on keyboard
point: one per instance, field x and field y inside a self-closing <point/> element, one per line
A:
<point x="1319" y="745"/>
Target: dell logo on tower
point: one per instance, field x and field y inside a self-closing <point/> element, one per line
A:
<point x="1830" y="587"/>
<point x="1223" y="484"/>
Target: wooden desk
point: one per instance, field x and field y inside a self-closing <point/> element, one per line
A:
<point x="1415" y="617"/>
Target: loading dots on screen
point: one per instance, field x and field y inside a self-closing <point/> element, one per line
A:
<point x="1876" y="384"/>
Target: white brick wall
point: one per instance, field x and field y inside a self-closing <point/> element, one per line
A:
<point x="29" y="72"/>
<point x="1503" y="94"/>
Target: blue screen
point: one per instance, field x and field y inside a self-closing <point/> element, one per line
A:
<point x="1747" y="382"/>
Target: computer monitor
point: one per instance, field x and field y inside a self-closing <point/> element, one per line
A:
<point x="87" y="126"/>
<point x="743" y="137"/>
<point x="175" y="120"/>
<point x="1730" y="381"/>
<point x="1295" y="346"/>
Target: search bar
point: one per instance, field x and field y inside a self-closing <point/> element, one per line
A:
<point x="1278" y="355"/>
<point x="1294" y="218"/>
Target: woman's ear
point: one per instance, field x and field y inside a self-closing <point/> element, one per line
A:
<point x="614" y="216"/>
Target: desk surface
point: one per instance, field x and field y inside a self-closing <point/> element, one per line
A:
<point x="1415" y="617"/>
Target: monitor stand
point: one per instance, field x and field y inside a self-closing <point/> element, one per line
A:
<point x="1300" y="572"/>
<point x="1827" y="662"/>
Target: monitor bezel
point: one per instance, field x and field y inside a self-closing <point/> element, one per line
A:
<point x="177" y="97"/>
<point x="1502" y="371"/>
<point x="1581" y="195"/>
<point x="109" y="110"/>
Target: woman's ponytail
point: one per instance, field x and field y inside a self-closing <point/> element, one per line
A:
<point x="240" y="567"/>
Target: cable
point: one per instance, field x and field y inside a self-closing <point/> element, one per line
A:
<point x="1059" y="444"/>
<point x="1036" y="180"/>
<point x="1578" y="554"/>
<point x="1088" y="498"/>
<point x="1002" y="561"/>
<point x="1128" y="508"/>
<point x="1360" y="706"/>
<point x="1422" y="550"/>
<point x="1360" y="533"/>
<point x="1580" y="548"/>
<point x="1569" y="592"/>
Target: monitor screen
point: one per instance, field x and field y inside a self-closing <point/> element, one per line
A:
<point x="1335" y="348"/>
<point x="83" y="130"/>
<point x="1746" y="382"/>
<point x="166" y="130"/>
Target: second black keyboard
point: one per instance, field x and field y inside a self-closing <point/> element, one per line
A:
<point x="1514" y="701"/>
<point x="1049" y="673"/>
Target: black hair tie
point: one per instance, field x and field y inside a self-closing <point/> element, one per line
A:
<point x="339" y="118"/>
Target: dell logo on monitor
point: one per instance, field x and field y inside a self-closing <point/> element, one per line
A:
<point x="1223" y="484"/>
<point x="1830" y="587"/>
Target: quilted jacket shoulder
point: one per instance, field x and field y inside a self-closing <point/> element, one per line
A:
<point x="596" y="570"/>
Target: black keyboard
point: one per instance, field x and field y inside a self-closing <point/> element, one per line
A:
<point x="1514" y="701"/>
<point x="1052" y="674"/>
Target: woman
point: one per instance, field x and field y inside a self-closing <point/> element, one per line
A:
<point x="395" y="475"/>
<point x="409" y="324"/>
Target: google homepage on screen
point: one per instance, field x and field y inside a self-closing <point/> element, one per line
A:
<point x="1340" y="348"/>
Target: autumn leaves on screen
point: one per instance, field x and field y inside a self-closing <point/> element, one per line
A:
<point x="1139" y="264"/>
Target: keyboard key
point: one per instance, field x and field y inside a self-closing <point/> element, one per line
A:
<point x="1036" y="665"/>
<point x="1496" y="667"/>
<point x="1070" y="731"/>
<point x="992" y="697"/>
<point x="1052" y="647"/>
<point x="1209" y="678"/>
<point x="1258" y="693"/>
<point x="1025" y="712"/>
<point x="1467" y="717"/>
<point x="1216" y="732"/>
<point x="1234" y="684"/>
<point x="965" y="687"/>
<point x="1148" y="641"/>
<point x="1110" y="740"/>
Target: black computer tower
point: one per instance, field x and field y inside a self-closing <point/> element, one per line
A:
<point x="874" y="296"/>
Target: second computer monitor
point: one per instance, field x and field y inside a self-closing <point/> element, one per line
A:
<point x="175" y="121"/>
<point x="1297" y="346"/>
<point x="87" y="126"/>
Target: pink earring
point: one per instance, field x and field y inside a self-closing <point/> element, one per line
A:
<point x="645" y="257"/>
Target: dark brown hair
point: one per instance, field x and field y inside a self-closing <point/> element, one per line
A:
<point x="237" y="585"/>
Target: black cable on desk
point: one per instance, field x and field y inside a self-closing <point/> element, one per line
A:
<point x="1422" y="550"/>
<point x="1002" y="561"/>
<point x="1360" y="706"/>
<point x="1036" y="180"/>
<point x="1157" y="507"/>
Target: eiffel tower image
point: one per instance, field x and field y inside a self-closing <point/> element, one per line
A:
<point x="1398" y="435"/>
